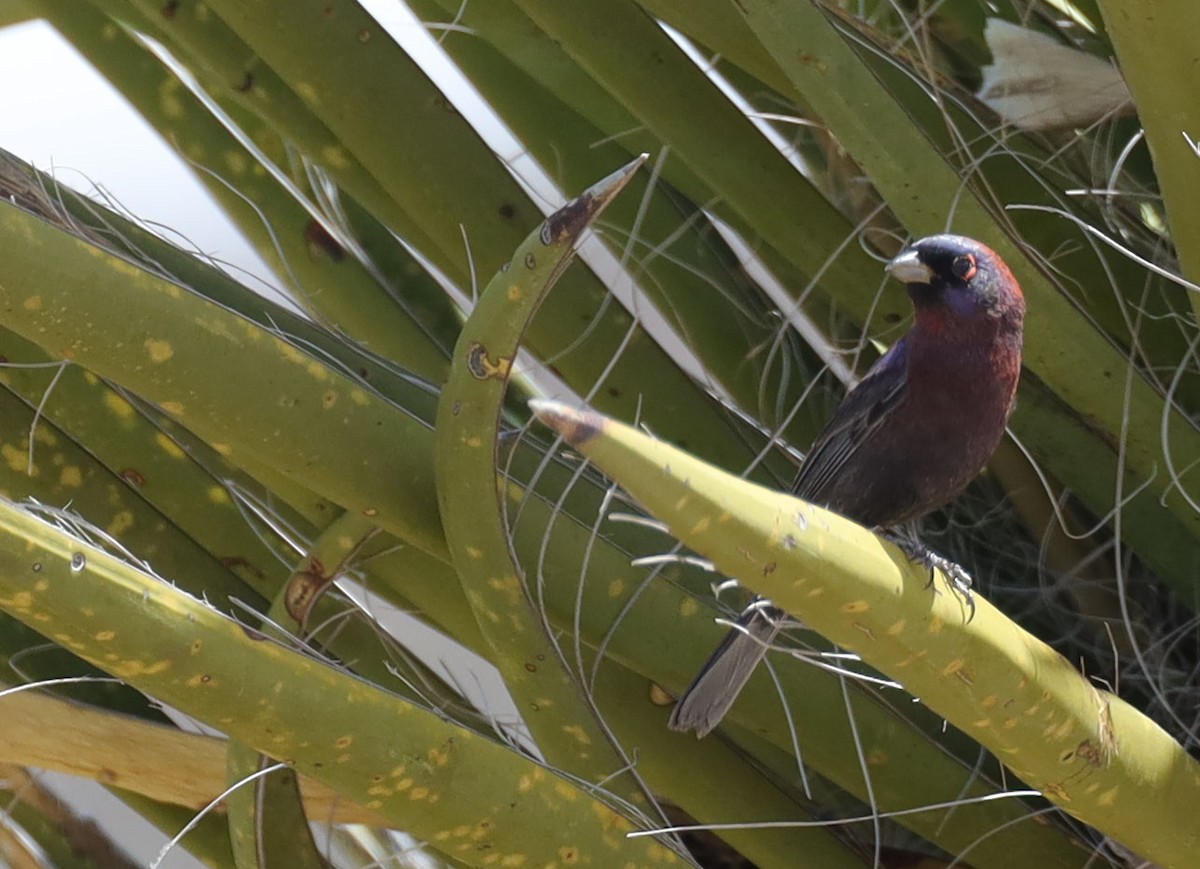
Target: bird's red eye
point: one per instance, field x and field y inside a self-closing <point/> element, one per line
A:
<point x="964" y="267"/>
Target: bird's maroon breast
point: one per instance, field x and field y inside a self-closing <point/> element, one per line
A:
<point x="952" y="417"/>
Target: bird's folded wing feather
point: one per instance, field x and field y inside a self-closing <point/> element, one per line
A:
<point x="862" y="413"/>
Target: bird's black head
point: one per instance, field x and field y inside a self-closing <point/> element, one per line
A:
<point x="958" y="276"/>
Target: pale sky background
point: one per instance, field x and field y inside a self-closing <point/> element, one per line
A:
<point x="66" y="119"/>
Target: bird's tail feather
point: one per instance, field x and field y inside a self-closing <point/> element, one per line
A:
<point x="705" y="702"/>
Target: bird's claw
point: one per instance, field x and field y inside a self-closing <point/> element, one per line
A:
<point x="960" y="580"/>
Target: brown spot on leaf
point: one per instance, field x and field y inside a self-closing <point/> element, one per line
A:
<point x="569" y="221"/>
<point x="482" y="367"/>
<point x="133" y="477"/>
<point x="303" y="591"/>
<point x="320" y="240"/>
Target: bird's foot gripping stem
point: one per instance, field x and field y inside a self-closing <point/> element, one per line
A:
<point x="918" y="552"/>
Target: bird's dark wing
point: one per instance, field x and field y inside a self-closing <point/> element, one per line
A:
<point x="860" y="414"/>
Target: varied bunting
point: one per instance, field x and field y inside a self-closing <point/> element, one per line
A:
<point x="908" y="439"/>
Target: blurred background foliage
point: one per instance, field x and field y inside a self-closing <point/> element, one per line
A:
<point x="243" y="509"/>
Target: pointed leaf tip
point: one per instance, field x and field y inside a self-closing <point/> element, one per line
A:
<point x="575" y="426"/>
<point x="572" y="219"/>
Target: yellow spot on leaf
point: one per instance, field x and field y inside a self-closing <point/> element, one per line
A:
<point x="329" y="399"/>
<point x="658" y="696"/>
<point x="856" y="606"/>
<point x="223" y="449"/>
<point x="118" y="405"/>
<point x="237" y="162"/>
<point x="105" y="636"/>
<point x="33" y="303"/>
<point x="169" y="446"/>
<point x="335" y="157"/>
<point x="16" y="459"/>
<point x="1063" y="730"/>
<point x="660" y="854"/>
<point x="616" y="587"/>
<point x="291" y="354"/>
<point x="160" y="351"/>
<point x="953" y="667"/>
<point x="896" y="628"/>
<point x="218" y="495"/>
<point x="509" y="585"/>
<point x="688" y="606"/>
<point x="174" y="408"/>
<point x="579" y="733"/>
<point x="308" y="93"/>
<point x="121" y="522"/>
<point x="565" y="791"/>
<point x="130" y="669"/>
<point x="171" y="105"/>
<point x="71" y="477"/>
<point x="440" y="755"/>
<point x="22" y="600"/>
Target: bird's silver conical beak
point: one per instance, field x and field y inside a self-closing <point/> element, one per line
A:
<point x="907" y="267"/>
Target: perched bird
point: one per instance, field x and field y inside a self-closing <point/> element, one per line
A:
<point x="917" y="429"/>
